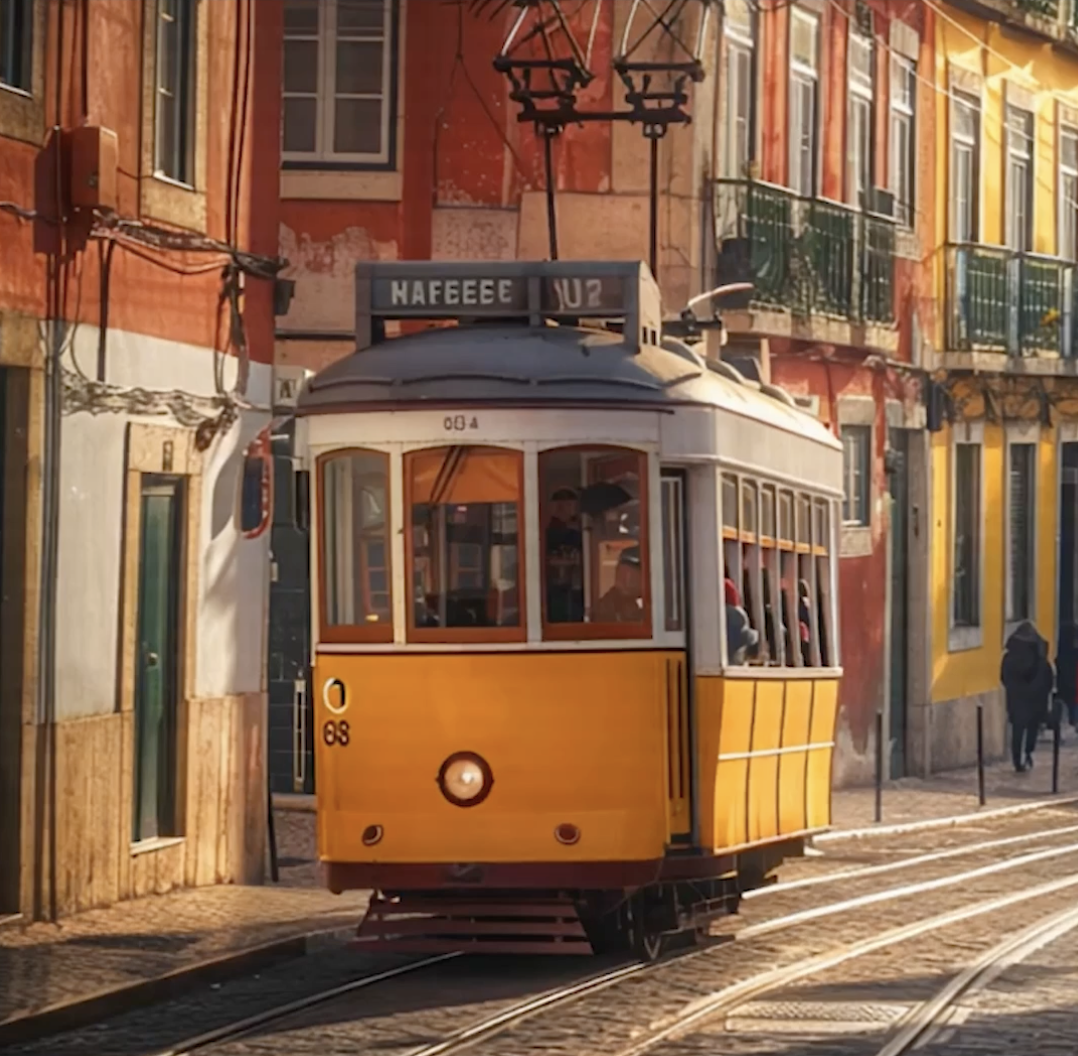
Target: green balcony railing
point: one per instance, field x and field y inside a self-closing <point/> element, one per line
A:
<point x="1045" y="8"/>
<point x="808" y="255"/>
<point x="1000" y="300"/>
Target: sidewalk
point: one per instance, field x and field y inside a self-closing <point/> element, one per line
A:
<point x="100" y="962"/>
<point x="95" y="963"/>
<point x="955" y="791"/>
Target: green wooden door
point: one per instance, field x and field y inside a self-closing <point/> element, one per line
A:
<point x="157" y="658"/>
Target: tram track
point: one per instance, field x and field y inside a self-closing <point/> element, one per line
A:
<point x="730" y="998"/>
<point x="464" y="1029"/>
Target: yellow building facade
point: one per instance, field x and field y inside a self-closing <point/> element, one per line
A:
<point x="1001" y="523"/>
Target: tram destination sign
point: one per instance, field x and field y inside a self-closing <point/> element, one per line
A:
<point x="532" y="290"/>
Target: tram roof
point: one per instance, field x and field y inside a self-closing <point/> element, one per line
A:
<point x="530" y="359"/>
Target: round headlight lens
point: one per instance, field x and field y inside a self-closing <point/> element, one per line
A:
<point x="465" y="779"/>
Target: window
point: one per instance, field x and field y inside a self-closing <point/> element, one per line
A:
<point x="176" y="73"/>
<point x="1068" y="193"/>
<point x="1021" y="528"/>
<point x="595" y="544"/>
<point x="338" y="80"/>
<point x="967" y="535"/>
<point x="356" y="598"/>
<point x="965" y="167"/>
<point x="857" y="474"/>
<point x="674" y="551"/>
<point x="859" y="147"/>
<point x="804" y="86"/>
<point x="740" y="33"/>
<point x="903" y="137"/>
<point x="465" y="566"/>
<point x="16" y="41"/>
<point x="1019" y="212"/>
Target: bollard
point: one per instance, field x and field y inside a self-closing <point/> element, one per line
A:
<point x="1057" y="737"/>
<point x="879" y="766"/>
<point x="980" y="754"/>
<point x="274" y="872"/>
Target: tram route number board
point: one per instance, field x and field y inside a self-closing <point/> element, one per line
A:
<point x="496" y="295"/>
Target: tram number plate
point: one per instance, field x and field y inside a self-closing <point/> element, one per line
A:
<point x="459" y="423"/>
<point x="334" y="733"/>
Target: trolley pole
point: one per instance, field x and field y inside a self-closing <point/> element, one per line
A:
<point x="980" y="754"/>
<point x="879" y="765"/>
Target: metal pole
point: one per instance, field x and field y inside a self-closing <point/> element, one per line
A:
<point x="980" y="755"/>
<point x="551" y="211"/>
<point x="274" y="871"/>
<point x="1057" y="737"/>
<point x="879" y="765"/>
<point x="653" y="190"/>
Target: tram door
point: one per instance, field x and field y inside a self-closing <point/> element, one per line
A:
<point x="675" y="571"/>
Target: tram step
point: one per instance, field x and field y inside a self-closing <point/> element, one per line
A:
<point x="414" y="924"/>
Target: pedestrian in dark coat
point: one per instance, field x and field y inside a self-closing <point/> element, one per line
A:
<point x="1028" y="679"/>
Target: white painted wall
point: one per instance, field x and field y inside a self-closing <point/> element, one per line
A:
<point x="231" y="602"/>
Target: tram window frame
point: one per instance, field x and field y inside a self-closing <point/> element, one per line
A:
<point x="371" y="632"/>
<point x="673" y="545"/>
<point x="586" y="630"/>
<point x="455" y="634"/>
<point x="777" y="558"/>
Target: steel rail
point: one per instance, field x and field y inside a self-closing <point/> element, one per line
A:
<point x="928" y="1019"/>
<point x="726" y="1000"/>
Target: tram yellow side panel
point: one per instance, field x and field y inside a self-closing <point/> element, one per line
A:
<point x="574" y="738"/>
<point x="793" y="765"/>
<point x="764" y="768"/>
<point x="824" y="711"/>
<point x="759" y="779"/>
<point x="724" y="725"/>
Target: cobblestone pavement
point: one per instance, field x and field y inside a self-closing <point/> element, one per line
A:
<point x="402" y="1014"/>
<point x="46" y="964"/>
<point x="955" y="792"/>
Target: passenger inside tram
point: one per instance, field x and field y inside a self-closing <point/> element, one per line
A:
<point x="564" y="559"/>
<point x="624" y="601"/>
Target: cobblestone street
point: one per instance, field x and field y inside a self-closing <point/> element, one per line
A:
<point x="854" y="893"/>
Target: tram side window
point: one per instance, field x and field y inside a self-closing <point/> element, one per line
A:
<point x="356" y="597"/>
<point x="821" y="532"/>
<point x="464" y="516"/>
<point x="595" y="543"/>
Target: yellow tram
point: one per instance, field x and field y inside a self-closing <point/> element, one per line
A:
<point x="576" y="661"/>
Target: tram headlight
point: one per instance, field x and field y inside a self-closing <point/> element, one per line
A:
<point x="465" y="779"/>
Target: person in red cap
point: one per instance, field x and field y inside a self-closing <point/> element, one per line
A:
<point x="741" y="640"/>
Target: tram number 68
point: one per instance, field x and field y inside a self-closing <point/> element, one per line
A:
<point x="459" y="423"/>
<point x="334" y="733"/>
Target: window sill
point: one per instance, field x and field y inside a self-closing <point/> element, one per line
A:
<point x="174" y="203"/>
<point x="329" y="184"/>
<point x="158" y="843"/>
<point x="964" y="639"/>
<point x="22" y="116"/>
<point x="855" y="541"/>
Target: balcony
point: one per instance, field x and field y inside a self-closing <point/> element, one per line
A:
<point x="821" y="270"/>
<point x="1053" y="19"/>
<point x="1019" y="305"/>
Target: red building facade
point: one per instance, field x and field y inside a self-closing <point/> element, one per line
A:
<point x="136" y="327"/>
<point x="400" y="141"/>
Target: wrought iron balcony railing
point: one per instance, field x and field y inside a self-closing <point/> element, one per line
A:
<point x="807" y="255"/>
<point x="1000" y="300"/>
<point x="1062" y="11"/>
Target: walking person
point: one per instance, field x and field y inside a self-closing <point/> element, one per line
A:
<point x="1028" y="679"/>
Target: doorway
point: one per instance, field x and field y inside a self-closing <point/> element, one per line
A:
<point x="899" y="487"/>
<point x="291" y="711"/>
<point x="1068" y="540"/>
<point x="11" y="645"/>
<point x="157" y="658"/>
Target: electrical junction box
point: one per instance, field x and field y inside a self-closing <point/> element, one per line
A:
<point x="94" y="162"/>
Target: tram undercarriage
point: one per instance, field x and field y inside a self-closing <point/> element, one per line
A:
<point x="692" y="890"/>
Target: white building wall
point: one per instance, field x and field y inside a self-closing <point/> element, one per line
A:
<point x="231" y="602"/>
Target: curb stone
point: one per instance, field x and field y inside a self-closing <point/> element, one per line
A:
<point x="113" y="1001"/>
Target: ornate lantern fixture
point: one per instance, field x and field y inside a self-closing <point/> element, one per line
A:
<point x="547" y="57"/>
